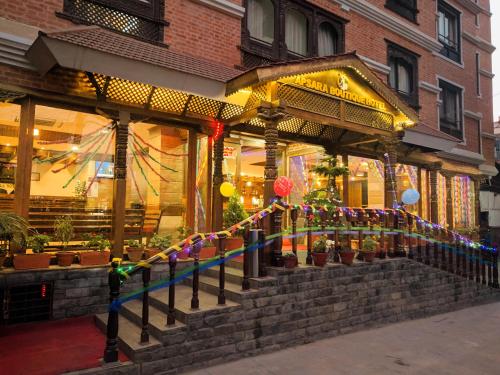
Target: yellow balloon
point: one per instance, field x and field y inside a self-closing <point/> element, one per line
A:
<point x="227" y="189"/>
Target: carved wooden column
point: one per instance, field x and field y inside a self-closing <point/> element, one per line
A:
<point x="477" y="202"/>
<point x="433" y="182"/>
<point x="24" y="158"/>
<point x="217" y="201"/>
<point x="191" y="177"/>
<point x="449" y="201"/>
<point x="120" y="183"/>
<point x="271" y="114"/>
<point x="345" y="181"/>
<point x="420" y="190"/>
<point x="390" y="160"/>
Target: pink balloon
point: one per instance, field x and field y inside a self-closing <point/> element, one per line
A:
<point x="283" y="186"/>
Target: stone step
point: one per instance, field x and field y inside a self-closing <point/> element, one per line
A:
<point x="232" y="291"/>
<point x="183" y="295"/>
<point x="233" y="275"/>
<point x="158" y="327"/>
<point x="129" y="336"/>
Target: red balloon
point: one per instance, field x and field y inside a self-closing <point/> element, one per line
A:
<point x="283" y="186"/>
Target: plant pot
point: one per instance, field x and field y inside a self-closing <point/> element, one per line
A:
<point x="347" y="257"/>
<point x="151" y="252"/>
<point x="290" y="262"/>
<point x="94" y="258"/>
<point x="207" y="252"/>
<point x="31" y="261"/>
<point x="233" y="243"/>
<point x="369" y="256"/>
<point x="319" y="259"/>
<point x="65" y="258"/>
<point x="134" y="254"/>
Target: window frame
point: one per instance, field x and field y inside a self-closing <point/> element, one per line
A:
<point x="410" y="59"/>
<point x="403" y="9"/>
<point x="454" y="129"/>
<point x="448" y="51"/>
<point x="255" y="52"/>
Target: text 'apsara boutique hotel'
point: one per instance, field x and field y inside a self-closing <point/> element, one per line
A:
<point x="146" y="106"/>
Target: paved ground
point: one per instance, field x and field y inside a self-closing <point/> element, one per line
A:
<point x="458" y="343"/>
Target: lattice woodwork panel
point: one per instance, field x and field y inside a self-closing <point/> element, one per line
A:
<point x="9" y="95"/>
<point x="309" y="101"/>
<point x="257" y="122"/>
<point x="128" y="91"/>
<point x="230" y="111"/>
<point x="311" y="129"/>
<point x="369" y="117"/>
<point x="168" y="100"/>
<point x="251" y="61"/>
<point x="204" y="106"/>
<point x="291" y="126"/>
<point x="259" y="94"/>
<point x="328" y="133"/>
<point x="92" y="13"/>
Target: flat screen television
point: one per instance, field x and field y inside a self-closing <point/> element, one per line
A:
<point x="106" y="170"/>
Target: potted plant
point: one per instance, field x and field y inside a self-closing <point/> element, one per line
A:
<point x="38" y="259"/>
<point x="64" y="232"/>
<point x="319" y="251"/>
<point x="182" y="233"/>
<point x="134" y="250"/>
<point x="100" y="251"/>
<point x="13" y="231"/>
<point x="290" y="260"/>
<point x="346" y="253"/>
<point x="369" y="249"/>
<point x="158" y="243"/>
<point x="233" y="214"/>
<point x="136" y="205"/>
<point x="208" y="250"/>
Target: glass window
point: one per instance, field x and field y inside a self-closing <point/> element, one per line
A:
<point x="407" y="178"/>
<point x="327" y="40"/>
<point x="72" y="171"/>
<point x="260" y="20"/>
<point x="9" y="141"/>
<point x="463" y="202"/>
<point x="296" y="32"/>
<point x="450" y="109"/>
<point x="405" y="8"/>
<point x="449" y="31"/>
<point x="157" y="170"/>
<point x="366" y="183"/>
<point x="203" y="176"/>
<point x="400" y="76"/>
<point x="441" y="190"/>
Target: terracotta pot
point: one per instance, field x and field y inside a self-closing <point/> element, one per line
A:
<point x="65" y="258"/>
<point x="319" y="259"/>
<point x="94" y="258"/>
<point x="207" y="252"/>
<point x="134" y="254"/>
<point x="347" y="257"/>
<point x="290" y="262"/>
<point x="369" y="256"/>
<point x="151" y="252"/>
<point x="233" y="243"/>
<point x="31" y="261"/>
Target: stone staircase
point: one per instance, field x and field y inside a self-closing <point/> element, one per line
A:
<point x="130" y="320"/>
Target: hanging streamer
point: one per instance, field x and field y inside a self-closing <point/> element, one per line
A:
<point x="134" y="180"/>
<point x="73" y="138"/>
<point x="78" y="158"/>
<point x="100" y="164"/>
<point x="135" y="135"/>
<point x="149" y="165"/>
<point x="144" y="174"/>
<point x="143" y="150"/>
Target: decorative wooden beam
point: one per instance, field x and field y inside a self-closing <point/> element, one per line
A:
<point x="191" y="178"/>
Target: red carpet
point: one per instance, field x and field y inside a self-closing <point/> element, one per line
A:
<point x="50" y="348"/>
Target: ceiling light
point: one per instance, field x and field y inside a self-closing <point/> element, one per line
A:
<point x="74" y="148"/>
<point x="36" y="132"/>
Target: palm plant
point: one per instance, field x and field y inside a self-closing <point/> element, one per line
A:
<point x="13" y="230"/>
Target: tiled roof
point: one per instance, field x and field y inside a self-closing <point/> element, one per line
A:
<point x="426" y="129"/>
<point x="111" y="42"/>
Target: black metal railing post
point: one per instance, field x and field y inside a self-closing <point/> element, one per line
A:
<point x="146" y="278"/>
<point x="445" y="244"/>
<point x="309" y="216"/>
<point x="262" y="244"/>
<point x="172" y="262"/>
<point x="452" y="250"/>
<point x="221" y="298"/>
<point x="419" y="240"/>
<point x="477" y="256"/>
<point x="490" y="267"/>
<point x="411" y="250"/>
<point x="294" y="214"/>
<point x="195" y="302"/>
<point x="494" y="256"/>
<point x="470" y="260"/>
<point x="111" y="350"/>
<point x="427" y="256"/>
<point x="245" y="284"/>
<point x="436" y="245"/>
<point x="482" y="258"/>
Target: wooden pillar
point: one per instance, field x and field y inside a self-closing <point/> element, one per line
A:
<point x="477" y="202"/>
<point x="209" y="183"/>
<point x="345" y="181"/>
<point x="420" y="190"/>
<point x="217" y="202"/>
<point x="271" y="115"/>
<point x="390" y="160"/>
<point x="120" y="183"/>
<point x="449" y="201"/>
<point x="24" y="158"/>
<point x="191" y="179"/>
<point x="433" y="182"/>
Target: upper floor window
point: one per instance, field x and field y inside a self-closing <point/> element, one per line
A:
<point x="260" y="20"/>
<point x="296" y="32"/>
<point x="449" y="31"/>
<point x="403" y="76"/>
<point x="450" y="109"/>
<point x="277" y="30"/>
<point x="140" y="18"/>
<point x="327" y="40"/>
<point x="405" y="8"/>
